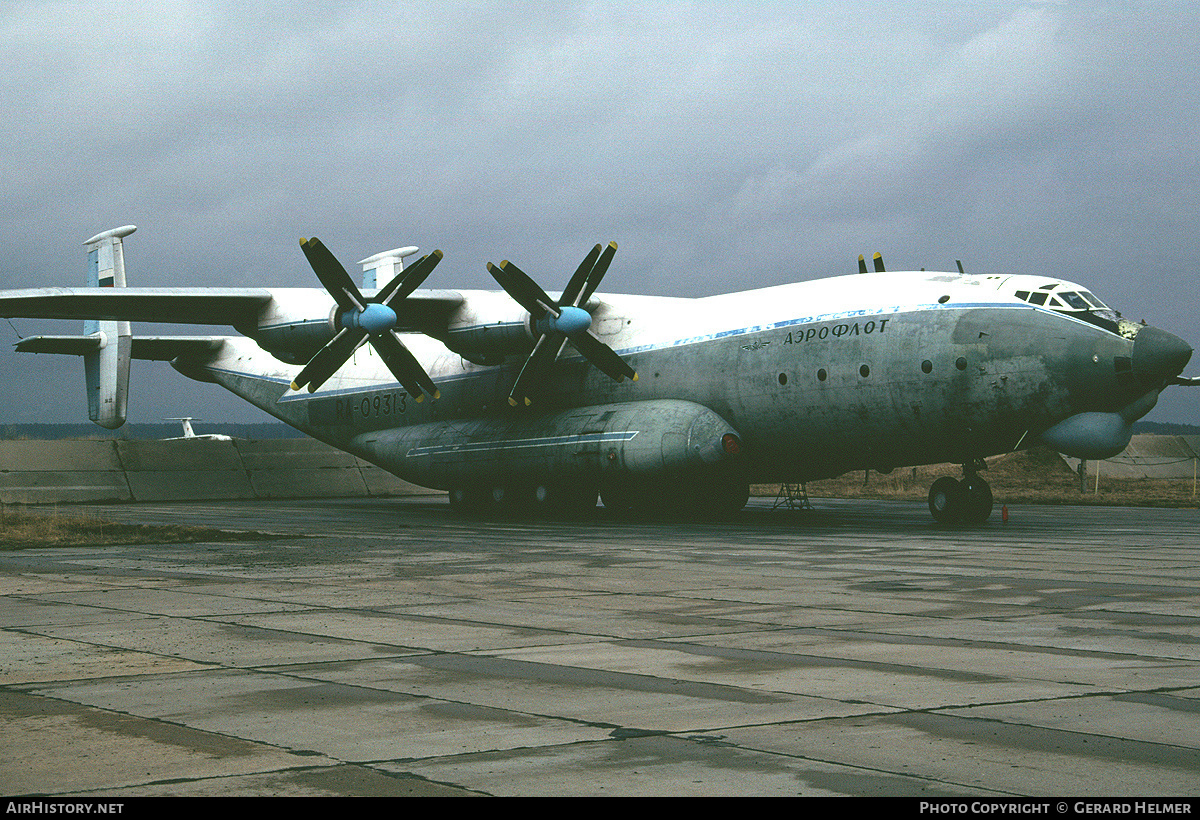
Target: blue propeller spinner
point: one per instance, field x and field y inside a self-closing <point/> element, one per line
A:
<point x="557" y="322"/>
<point x="371" y="320"/>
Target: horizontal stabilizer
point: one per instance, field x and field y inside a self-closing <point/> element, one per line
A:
<point x="68" y="345"/>
<point x="196" y="306"/>
<point x="154" y="348"/>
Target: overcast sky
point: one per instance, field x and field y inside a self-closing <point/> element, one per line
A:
<point x="724" y="146"/>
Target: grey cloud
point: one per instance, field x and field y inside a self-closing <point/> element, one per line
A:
<point x="724" y="146"/>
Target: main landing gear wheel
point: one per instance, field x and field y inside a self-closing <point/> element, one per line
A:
<point x="563" y="499"/>
<point x="704" y="498"/>
<point x="960" y="502"/>
<point x="546" y="500"/>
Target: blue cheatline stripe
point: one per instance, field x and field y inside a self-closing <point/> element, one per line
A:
<point x="520" y="444"/>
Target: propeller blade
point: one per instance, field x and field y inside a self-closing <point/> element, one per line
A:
<point x="570" y="321"/>
<point x="329" y="358"/>
<point x="862" y="264"/>
<point x="408" y="279"/>
<point x="579" y="278"/>
<point x="404" y="366"/>
<point x="597" y="274"/>
<point x="503" y="280"/>
<point x="879" y="262"/>
<point x="332" y="275"/>
<point x="527" y="292"/>
<point x="539" y="360"/>
<point x="366" y="318"/>
<point x="603" y="357"/>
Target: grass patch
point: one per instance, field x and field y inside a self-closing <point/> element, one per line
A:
<point x="22" y="528"/>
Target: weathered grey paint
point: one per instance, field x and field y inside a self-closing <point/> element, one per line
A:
<point x="997" y="378"/>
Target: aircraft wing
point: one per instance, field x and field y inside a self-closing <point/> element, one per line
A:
<point x="238" y="307"/>
<point x="156" y="348"/>
<point x="201" y="306"/>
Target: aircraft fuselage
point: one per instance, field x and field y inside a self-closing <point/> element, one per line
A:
<point x="873" y="371"/>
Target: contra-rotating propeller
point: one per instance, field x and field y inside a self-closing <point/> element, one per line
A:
<point x="556" y="322"/>
<point x="373" y="320"/>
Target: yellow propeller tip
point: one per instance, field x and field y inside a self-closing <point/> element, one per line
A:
<point x="527" y="401"/>
<point x="420" y="398"/>
<point x="877" y="255"/>
<point x="295" y="386"/>
<point x="312" y="388"/>
<point x="512" y="402"/>
<point x="437" y="394"/>
<point x="635" y="377"/>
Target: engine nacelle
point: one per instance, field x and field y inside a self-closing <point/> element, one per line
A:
<point x="297" y="323"/>
<point x="489" y="327"/>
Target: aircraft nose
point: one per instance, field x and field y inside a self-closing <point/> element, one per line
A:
<point x="1158" y="355"/>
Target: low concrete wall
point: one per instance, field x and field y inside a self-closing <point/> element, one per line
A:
<point x="35" y="472"/>
<point x="43" y="472"/>
<point x="46" y="472"/>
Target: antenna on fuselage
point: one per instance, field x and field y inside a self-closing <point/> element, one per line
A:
<point x="960" y="267"/>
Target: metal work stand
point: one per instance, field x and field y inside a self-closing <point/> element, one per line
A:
<point x="792" y="497"/>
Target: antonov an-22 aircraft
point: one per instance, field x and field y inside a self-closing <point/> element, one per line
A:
<point x="520" y="398"/>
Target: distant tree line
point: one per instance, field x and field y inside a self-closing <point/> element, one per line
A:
<point x="87" y="430"/>
<point x="1158" y="428"/>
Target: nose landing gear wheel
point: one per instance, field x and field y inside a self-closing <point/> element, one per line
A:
<point x="978" y="501"/>
<point x="946" y="500"/>
<point x="960" y="502"/>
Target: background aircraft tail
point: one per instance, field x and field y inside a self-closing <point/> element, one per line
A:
<point x="106" y="366"/>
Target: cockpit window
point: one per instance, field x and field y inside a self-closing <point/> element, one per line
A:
<point x="1074" y="300"/>
<point x="1077" y="304"/>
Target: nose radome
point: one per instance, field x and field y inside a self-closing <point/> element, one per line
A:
<point x="1158" y="355"/>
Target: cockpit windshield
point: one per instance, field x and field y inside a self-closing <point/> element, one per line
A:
<point x="1071" y="300"/>
<point x="1076" y="300"/>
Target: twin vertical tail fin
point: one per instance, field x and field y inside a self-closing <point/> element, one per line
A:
<point x="106" y="368"/>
